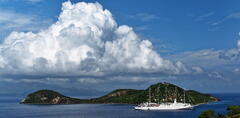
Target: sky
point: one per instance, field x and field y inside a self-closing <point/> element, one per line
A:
<point x="90" y="47"/>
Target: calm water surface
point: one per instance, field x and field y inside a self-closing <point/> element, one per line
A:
<point x="10" y="108"/>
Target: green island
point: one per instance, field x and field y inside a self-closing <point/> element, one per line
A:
<point x="166" y="92"/>
<point x="233" y="112"/>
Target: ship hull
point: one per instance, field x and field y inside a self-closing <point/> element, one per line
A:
<point x="164" y="107"/>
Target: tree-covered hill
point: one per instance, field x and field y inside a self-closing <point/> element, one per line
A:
<point x="160" y="92"/>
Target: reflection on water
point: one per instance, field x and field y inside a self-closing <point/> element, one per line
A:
<point x="9" y="108"/>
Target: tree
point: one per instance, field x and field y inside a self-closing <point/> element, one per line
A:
<point x="207" y="114"/>
<point x="233" y="112"/>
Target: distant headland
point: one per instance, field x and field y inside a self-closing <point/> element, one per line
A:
<point x="124" y="96"/>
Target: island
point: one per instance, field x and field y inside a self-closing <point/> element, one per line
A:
<point x="162" y="92"/>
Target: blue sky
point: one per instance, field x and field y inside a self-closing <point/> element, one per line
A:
<point x="202" y="35"/>
<point x="189" y="25"/>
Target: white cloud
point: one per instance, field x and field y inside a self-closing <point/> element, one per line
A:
<point x="203" y="16"/>
<point x="209" y="58"/>
<point x="30" y="1"/>
<point x="237" y="70"/>
<point x="31" y="81"/>
<point x="85" y="40"/>
<point x="57" y="80"/>
<point x="34" y="1"/>
<point x="211" y="64"/>
<point x="144" y="17"/>
<point x="11" y="19"/>
<point x="197" y="70"/>
<point x="234" y="15"/>
<point x="89" y="81"/>
<point x="7" y="80"/>
<point x="218" y="62"/>
<point x="215" y="75"/>
<point x="41" y="80"/>
<point x="142" y="28"/>
<point x="14" y="21"/>
<point x="238" y="45"/>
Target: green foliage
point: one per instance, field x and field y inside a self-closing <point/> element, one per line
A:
<point x="207" y="114"/>
<point x="48" y="96"/>
<point x="36" y="96"/>
<point x="195" y="97"/>
<point x="128" y="96"/>
<point x="166" y="92"/>
<point x="233" y="112"/>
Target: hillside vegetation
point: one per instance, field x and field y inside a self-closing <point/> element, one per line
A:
<point x="166" y="92"/>
<point x="233" y="112"/>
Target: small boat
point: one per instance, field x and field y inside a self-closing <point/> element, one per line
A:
<point x="163" y="106"/>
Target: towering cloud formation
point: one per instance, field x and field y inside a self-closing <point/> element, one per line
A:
<point x="85" y="40"/>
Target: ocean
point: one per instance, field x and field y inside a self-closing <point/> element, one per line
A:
<point x="10" y="108"/>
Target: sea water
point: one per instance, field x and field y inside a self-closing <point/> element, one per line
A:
<point x="10" y="108"/>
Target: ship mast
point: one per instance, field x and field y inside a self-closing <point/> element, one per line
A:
<point x="166" y="94"/>
<point x="184" y="96"/>
<point x="149" y="95"/>
<point x="175" y="95"/>
<point x="176" y="92"/>
<point x="158" y="94"/>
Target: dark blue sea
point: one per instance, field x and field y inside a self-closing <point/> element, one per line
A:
<point x="10" y="108"/>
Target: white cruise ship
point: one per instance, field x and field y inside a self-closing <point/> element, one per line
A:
<point x="163" y="106"/>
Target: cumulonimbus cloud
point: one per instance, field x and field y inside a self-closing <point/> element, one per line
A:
<point x="85" y="40"/>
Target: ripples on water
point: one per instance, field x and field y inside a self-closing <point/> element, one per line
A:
<point x="10" y="108"/>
